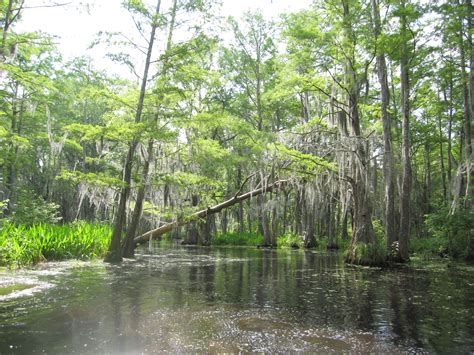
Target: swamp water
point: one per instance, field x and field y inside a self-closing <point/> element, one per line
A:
<point x="235" y="299"/>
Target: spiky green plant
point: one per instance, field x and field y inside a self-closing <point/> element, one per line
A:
<point x="21" y="245"/>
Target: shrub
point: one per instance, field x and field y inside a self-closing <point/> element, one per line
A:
<point x="290" y="240"/>
<point x="379" y="230"/>
<point x="449" y="233"/>
<point x="234" y="238"/>
<point x="31" y="209"/>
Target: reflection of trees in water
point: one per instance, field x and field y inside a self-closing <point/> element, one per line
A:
<point x="404" y="320"/>
<point x="468" y="303"/>
<point x="208" y="279"/>
<point x="119" y="338"/>
<point x="312" y="288"/>
<point x="193" y="279"/>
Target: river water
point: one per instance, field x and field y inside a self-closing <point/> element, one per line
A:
<point x="185" y="299"/>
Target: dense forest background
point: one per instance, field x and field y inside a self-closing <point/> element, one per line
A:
<point x="351" y="121"/>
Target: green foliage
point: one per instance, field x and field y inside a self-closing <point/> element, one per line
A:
<point x="22" y="245"/>
<point x="3" y="206"/>
<point x="290" y="240"/>
<point x="343" y="244"/>
<point x="31" y="209"/>
<point x="94" y="179"/>
<point x="378" y="230"/>
<point x="448" y="233"/>
<point x="234" y="238"/>
<point x="322" y="244"/>
<point x="428" y="246"/>
<point x="304" y="163"/>
<point x="136" y="6"/>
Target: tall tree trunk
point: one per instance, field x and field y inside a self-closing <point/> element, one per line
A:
<point x="6" y="26"/>
<point x="427" y="180"/>
<point x="441" y="157"/>
<point x="468" y="95"/>
<point x="405" y="220"/>
<point x="388" y="162"/>
<point x="309" y="233"/>
<point x="363" y="231"/>
<point x="470" y="48"/>
<point x="344" y="232"/>
<point x="259" y="89"/>
<point x="469" y="202"/>
<point x="463" y="183"/>
<point x="114" y="253"/>
<point x="298" y="217"/>
<point x="450" y="134"/>
<point x="129" y="247"/>
<point x="285" y="213"/>
<point x="12" y="155"/>
<point x="274" y="224"/>
<point x="249" y="217"/>
<point x="264" y="222"/>
<point x="224" y="222"/>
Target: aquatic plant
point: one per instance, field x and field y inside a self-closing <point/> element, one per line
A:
<point x="22" y="245"/>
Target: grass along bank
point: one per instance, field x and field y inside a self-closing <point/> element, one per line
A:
<point x="25" y="245"/>
<point x="287" y="240"/>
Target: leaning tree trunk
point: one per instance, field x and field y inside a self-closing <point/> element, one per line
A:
<point x="203" y="214"/>
<point x="114" y="253"/>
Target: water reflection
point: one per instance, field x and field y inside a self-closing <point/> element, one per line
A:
<point x="230" y="300"/>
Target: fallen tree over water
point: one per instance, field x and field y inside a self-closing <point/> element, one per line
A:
<point x="203" y="214"/>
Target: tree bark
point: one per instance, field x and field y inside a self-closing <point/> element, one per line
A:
<point x="129" y="249"/>
<point x="309" y="220"/>
<point x="450" y="134"/>
<point x="388" y="162"/>
<point x="6" y="26"/>
<point x="405" y="219"/>
<point x="114" y="253"/>
<point x="441" y="157"/>
<point x="468" y="88"/>
<point x="363" y="231"/>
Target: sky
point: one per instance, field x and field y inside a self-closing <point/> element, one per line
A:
<point x="77" y="23"/>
